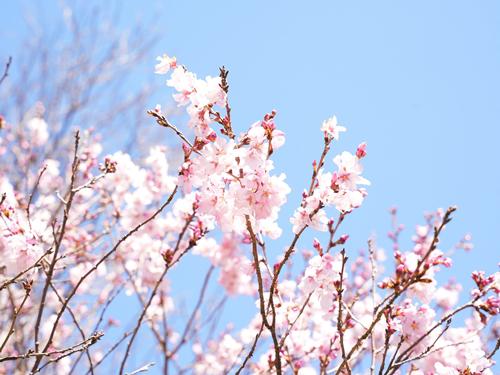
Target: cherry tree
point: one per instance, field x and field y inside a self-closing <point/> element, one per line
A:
<point x="85" y="233"/>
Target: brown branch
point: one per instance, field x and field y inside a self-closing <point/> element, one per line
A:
<point x="33" y="192"/>
<point x="190" y="322"/>
<point x="6" y="70"/>
<point x="111" y="350"/>
<point x="168" y="265"/>
<point x="290" y="327"/>
<point x="67" y="351"/>
<point x="12" y="280"/>
<point x="139" y="321"/>
<point x="400" y="344"/>
<point x="447" y="318"/>
<point x="317" y="168"/>
<point x="106" y="256"/>
<point x="58" y="242"/>
<point x="164" y="344"/>
<point x="160" y="340"/>
<point x="27" y="289"/>
<point x="78" y="327"/>
<point x="83" y="346"/>
<point x="252" y="349"/>
<point x="96" y="328"/>
<point x="333" y="229"/>
<point x="291" y="248"/>
<point x="495" y="349"/>
<point x="386" y="349"/>
<point x="258" y="271"/>
<point x="340" y="323"/>
<point x="371" y="251"/>
<point x="389" y="300"/>
<point x="434" y="350"/>
<point x="106" y="305"/>
<point x="162" y="121"/>
<point x="421" y="355"/>
<point x="270" y="326"/>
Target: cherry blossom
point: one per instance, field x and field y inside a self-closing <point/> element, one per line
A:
<point x="165" y="63"/>
<point x="331" y="128"/>
<point x="85" y="232"/>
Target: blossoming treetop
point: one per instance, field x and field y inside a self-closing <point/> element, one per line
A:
<point x="79" y="234"/>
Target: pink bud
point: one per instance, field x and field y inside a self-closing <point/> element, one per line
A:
<point x="361" y="151"/>
<point x="212" y="137"/>
<point x="400" y="269"/>
<point x="276" y="267"/>
<point x="316" y="244"/>
<point x="343" y="239"/>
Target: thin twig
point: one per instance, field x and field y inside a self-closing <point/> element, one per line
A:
<point x="141" y="318"/>
<point x="12" y="280"/>
<point x="106" y="256"/>
<point x="270" y="326"/>
<point x="290" y="327"/>
<point x="424" y="353"/>
<point x="111" y="350"/>
<point x="340" y="324"/>
<point x="6" y="70"/>
<point x="495" y="349"/>
<point x="57" y="243"/>
<point x="27" y="289"/>
<point x="371" y="251"/>
<point x="83" y="346"/>
<point x="72" y="349"/>
<point x="78" y="327"/>
<point x="447" y="318"/>
<point x="418" y="274"/>
<point x="252" y="349"/>
<point x="153" y="293"/>
<point x="162" y="121"/>
<point x="33" y="192"/>
<point x="189" y="324"/>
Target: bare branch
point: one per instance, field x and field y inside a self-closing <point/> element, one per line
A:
<point x="6" y="70"/>
<point x="340" y="324"/>
<point x="57" y="243"/>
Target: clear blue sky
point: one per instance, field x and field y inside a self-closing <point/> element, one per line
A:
<point x="419" y="81"/>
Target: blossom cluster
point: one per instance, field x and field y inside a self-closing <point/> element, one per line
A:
<point x="88" y="232"/>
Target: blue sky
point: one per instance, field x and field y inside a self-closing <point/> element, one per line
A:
<point x="419" y="81"/>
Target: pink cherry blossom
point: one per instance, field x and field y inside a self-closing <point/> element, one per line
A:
<point x="85" y="233"/>
<point x="165" y="63"/>
<point x="331" y="128"/>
